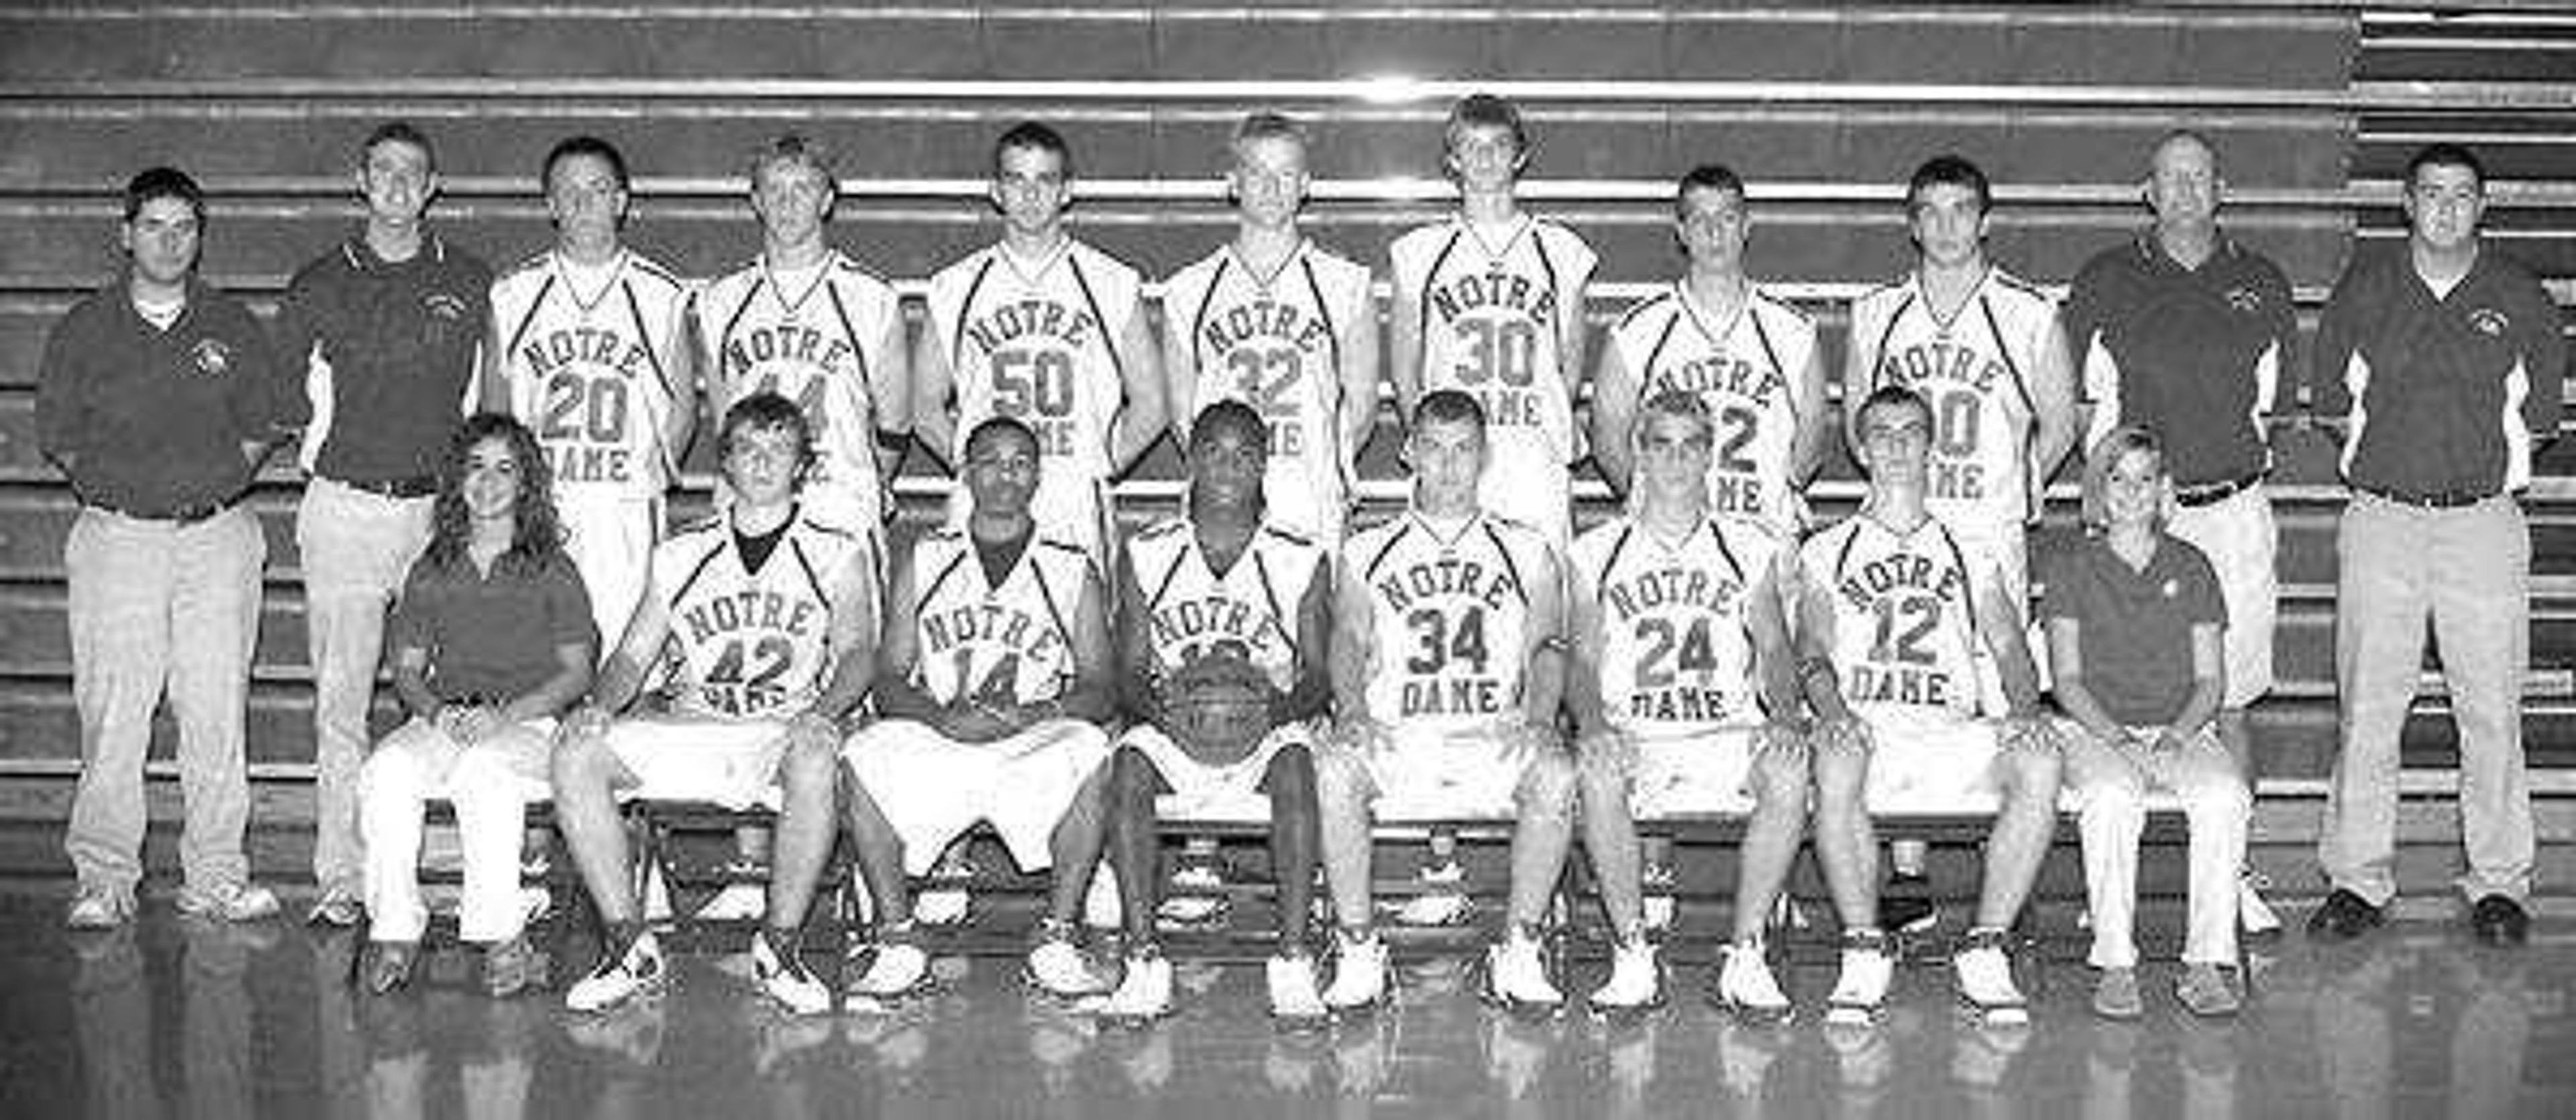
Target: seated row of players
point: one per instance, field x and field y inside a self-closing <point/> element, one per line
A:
<point x="995" y="680"/>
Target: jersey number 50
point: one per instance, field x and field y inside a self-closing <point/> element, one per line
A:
<point x="1039" y="381"/>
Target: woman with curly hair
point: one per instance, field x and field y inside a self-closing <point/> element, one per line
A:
<point x="492" y="639"/>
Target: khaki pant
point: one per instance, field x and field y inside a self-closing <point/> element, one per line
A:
<point x="157" y="606"/>
<point x="356" y="549"/>
<point x="2469" y="571"/>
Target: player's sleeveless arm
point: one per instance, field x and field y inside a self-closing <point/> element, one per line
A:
<point x="1354" y="637"/>
<point x="1404" y="332"/>
<point x="1999" y="621"/>
<point x="2052" y="401"/>
<point x="1310" y="691"/>
<point x="1573" y="329"/>
<point x="1807" y="396"/>
<point x="1590" y="641"/>
<point x="1134" y="669"/>
<point x="852" y="633"/>
<point x="1091" y="693"/>
<point x="1183" y="294"/>
<point x="1543" y="679"/>
<point x="1359" y="372"/>
<point x="1616" y="390"/>
<point x="932" y="400"/>
<point x="1818" y="680"/>
<point x="1142" y="420"/>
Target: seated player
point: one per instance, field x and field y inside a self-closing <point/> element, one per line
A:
<point x="2135" y="617"/>
<point x="492" y="638"/>
<point x="1891" y="617"/>
<point x="1681" y="647"/>
<point x="771" y="620"/>
<point x="991" y="689"/>
<point x="1222" y="623"/>
<point x="1446" y="677"/>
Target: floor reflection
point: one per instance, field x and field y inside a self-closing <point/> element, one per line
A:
<point x="180" y="1018"/>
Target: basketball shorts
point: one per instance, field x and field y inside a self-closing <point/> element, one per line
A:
<point x="1680" y="774"/>
<point x="1419" y="774"/>
<point x="2241" y="540"/>
<point x="932" y="788"/>
<point x="1929" y="760"/>
<point x="732" y="763"/>
<point x="1202" y="792"/>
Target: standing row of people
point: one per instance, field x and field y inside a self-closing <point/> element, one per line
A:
<point x="160" y="397"/>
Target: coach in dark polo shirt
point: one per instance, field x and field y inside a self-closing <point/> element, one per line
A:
<point x="154" y="402"/>
<point x="379" y="338"/>
<point x="2191" y="334"/>
<point x="2443" y="360"/>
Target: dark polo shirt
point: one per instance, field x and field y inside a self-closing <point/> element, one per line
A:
<point x="2198" y="354"/>
<point x="491" y="638"/>
<point x="151" y="422"/>
<point x="2446" y="397"/>
<point x="379" y="358"/>
<point x="2134" y="625"/>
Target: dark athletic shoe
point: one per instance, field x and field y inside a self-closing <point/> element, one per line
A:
<point x="2344" y="916"/>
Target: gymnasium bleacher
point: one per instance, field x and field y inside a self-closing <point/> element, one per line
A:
<point x="1824" y="109"/>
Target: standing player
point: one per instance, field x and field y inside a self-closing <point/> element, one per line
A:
<point x="1685" y="697"/>
<point x="1984" y="350"/>
<point x="1220" y="601"/>
<point x="586" y="350"/>
<point x="1046" y="330"/>
<point x="1281" y="324"/>
<point x="379" y="338"/>
<point x="994" y="680"/>
<point x="1750" y="358"/>
<point x="770" y="621"/>
<point x="2187" y="332"/>
<point x="1490" y="302"/>
<point x="806" y="322"/>
<point x="1447" y="683"/>
<point x="1894" y="610"/>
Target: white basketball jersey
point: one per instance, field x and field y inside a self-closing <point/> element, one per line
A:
<point x="1904" y="613"/>
<point x="1250" y="610"/>
<point x="1975" y="371"/>
<point x="590" y="371"/>
<point x="1275" y="342"/>
<point x="818" y="345"/>
<point x="1677" y="649"/>
<point x="1745" y="370"/>
<point x="1490" y="325"/>
<point x="1450" y="618"/>
<point x="1011" y="640"/>
<point x="753" y="644"/>
<point x="1037" y="341"/>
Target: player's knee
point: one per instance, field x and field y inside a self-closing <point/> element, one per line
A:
<point x="2113" y="799"/>
<point x="1340" y="776"/>
<point x="1779" y="784"/>
<point x="2032" y="773"/>
<point x="1547" y="786"/>
<point x="1842" y="780"/>
<point x="2218" y="799"/>
<point x="579" y="763"/>
<point x="809" y="770"/>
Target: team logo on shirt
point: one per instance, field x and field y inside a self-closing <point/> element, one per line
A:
<point x="2245" y="299"/>
<point x="441" y="305"/>
<point x="212" y="357"/>
<point x="2489" y="322"/>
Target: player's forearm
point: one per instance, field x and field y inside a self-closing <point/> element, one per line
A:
<point x="899" y="698"/>
<point x="1135" y="434"/>
<point x="1822" y="688"/>
<point x="841" y="694"/>
<point x="1089" y="699"/>
<point x="618" y="683"/>
<point x="1310" y="696"/>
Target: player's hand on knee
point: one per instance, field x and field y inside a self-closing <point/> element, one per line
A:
<point x="1361" y="736"/>
<point x="589" y="721"/>
<point x="1844" y="735"/>
<point x="1780" y="737"/>
<point x="2028" y="733"/>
